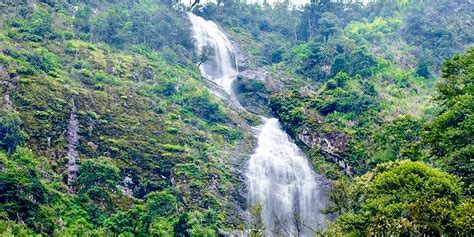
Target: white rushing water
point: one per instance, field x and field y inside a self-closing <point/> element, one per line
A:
<point x="281" y="180"/>
<point x="279" y="177"/>
<point x="220" y="67"/>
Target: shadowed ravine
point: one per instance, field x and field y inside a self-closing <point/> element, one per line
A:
<point x="279" y="177"/>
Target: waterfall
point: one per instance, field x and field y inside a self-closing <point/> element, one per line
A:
<point x="279" y="177"/>
<point x="220" y="66"/>
<point x="72" y="142"/>
<point x="281" y="180"/>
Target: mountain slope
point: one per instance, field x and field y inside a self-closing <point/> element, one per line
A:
<point x="143" y="132"/>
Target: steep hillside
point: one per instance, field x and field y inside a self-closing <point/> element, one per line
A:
<point x="352" y="83"/>
<point x="107" y="127"/>
<point x="107" y="131"/>
<point x="362" y="88"/>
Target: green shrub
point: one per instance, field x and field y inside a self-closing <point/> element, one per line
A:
<point x="202" y="106"/>
<point x="11" y="133"/>
<point x="450" y="134"/>
<point x="229" y="133"/>
<point x="22" y="194"/>
<point x="173" y="148"/>
<point x="44" y="60"/>
<point x="35" y="26"/>
<point x="400" y="198"/>
<point x="97" y="178"/>
<point x="161" y="204"/>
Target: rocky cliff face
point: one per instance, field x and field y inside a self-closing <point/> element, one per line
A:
<point x="8" y="86"/>
<point x="251" y="84"/>
<point x="72" y="143"/>
<point x="255" y="85"/>
<point x="331" y="144"/>
<point x="251" y="91"/>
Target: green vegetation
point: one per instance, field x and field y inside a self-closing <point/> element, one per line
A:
<point x="11" y="134"/>
<point x="380" y="97"/>
<point x="451" y="133"/>
<point x="365" y="92"/>
<point x="402" y="198"/>
<point x="154" y="146"/>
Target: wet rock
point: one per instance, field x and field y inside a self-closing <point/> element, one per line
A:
<point x="93" y="146"/>
<point x="72" y="143"/>
<point x="252" y="92"/>
<point x="8" y="87"/>
<point x="241" y="57"/>
<point x="4" y="73"/>
<point x="7" y="103"/>
<point x="331" y="144"/>
<point x="126" y="186"/>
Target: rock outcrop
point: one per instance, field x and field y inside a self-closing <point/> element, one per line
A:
<point x="254" y="86"/>
<point x="331" y="144"/>
<point x="252" y="92"/>
<point x="72" y="143"/>
<point x="251" y="84"/>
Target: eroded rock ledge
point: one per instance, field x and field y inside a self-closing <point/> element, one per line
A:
<point x="331" y="144"/>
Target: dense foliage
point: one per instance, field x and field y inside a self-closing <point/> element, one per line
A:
<point x="154" y="147"/>
<point x="402" y="198"/>
<point x="451" y="134"/>
<point x="353" y="85"/>
<point x="380" y="97"/>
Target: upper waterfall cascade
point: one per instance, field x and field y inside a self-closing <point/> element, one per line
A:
<point x="279" y="176"/>
<point x="221" y="66"/>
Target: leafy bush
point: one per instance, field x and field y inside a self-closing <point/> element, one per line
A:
<point x="161" y="204"/>
<point x="97" y="179"/>
<point x="174" y="148"/>
<point x="146" y="22"/>
<point x="400" y="198"/>
<point x="22" y="193"/>
<point x="35" y="26"/>
<point x="229" y="133"/>
<point x="11" y="133"/>
<point x="450" y="134"/>
<point x="39" y="59"/>
<point x="399" y="139"/>
<point x="347" y="102"/>
<point x="202" y="106"/>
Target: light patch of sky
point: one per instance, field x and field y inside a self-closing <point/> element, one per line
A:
<point x="271" y="2"/>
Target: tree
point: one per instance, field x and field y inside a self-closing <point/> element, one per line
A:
<point x="161" y="203"/>
<point x="82" y="19"/>
<point x="148" y="24"/>
<point x="403" y="198"/>
<point x="205" y="54"/>
<point x="311" y="15"/>
<point x="193" y="224"/>
<point x="98" y="179"/>
<point x="133" y="221"/>
<point x="11" y="134"/>
<point x="329" y="25"/>
<point x="451" y="134"/>
<point x="316" y="61"/>
<point x="196" y="2"/>
<point x="423" y="68"/>
<point x="23" y="195"/>
<point x="398" y="139"/>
